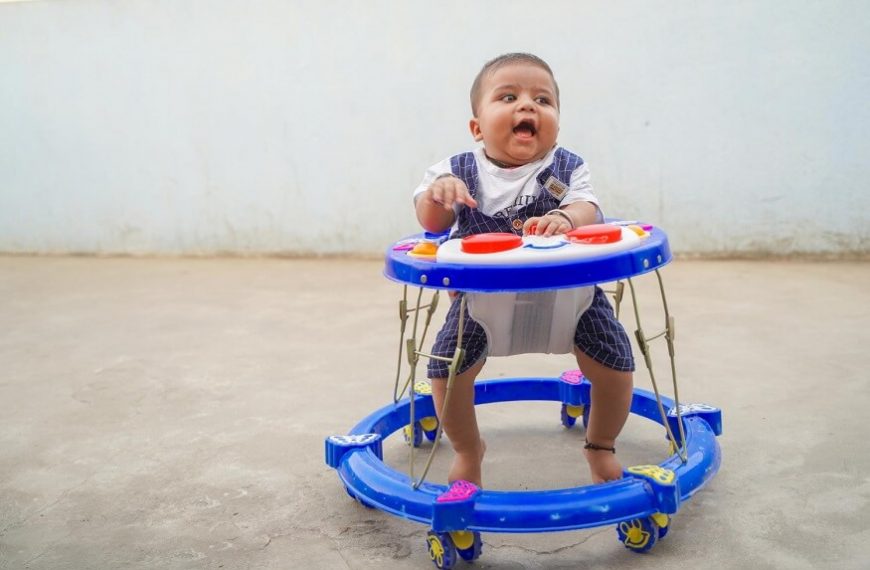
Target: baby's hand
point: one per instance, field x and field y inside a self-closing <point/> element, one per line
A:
<point x="547" y="225"/>
<point x="450" y="190"/>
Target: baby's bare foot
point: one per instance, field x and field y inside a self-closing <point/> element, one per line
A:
<point x="467" y="466"/>
<point x="603" y="465"/>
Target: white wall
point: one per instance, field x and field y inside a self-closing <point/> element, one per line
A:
<point x="181" y="126"/>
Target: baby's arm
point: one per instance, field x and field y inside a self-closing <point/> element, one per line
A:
<point x="582" y="213"/>
<point x="435" y="206"/>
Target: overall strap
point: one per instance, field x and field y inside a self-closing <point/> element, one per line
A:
<point x="563" y="166"/>
<point x="554" y="182"/>
<point x="464" y="167"/>
<point x="471" y="220"/>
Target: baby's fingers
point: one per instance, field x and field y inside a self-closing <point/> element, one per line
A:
<point x="530" y="226"/>
<point x="442" y="195"/>
<point x="464" y="197"/>
<point x="450" y="190"/>
<point x="459" y="191"/>
<point x="552" y="225"/>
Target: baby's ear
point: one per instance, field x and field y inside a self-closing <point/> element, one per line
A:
<point x="474" y="127"/>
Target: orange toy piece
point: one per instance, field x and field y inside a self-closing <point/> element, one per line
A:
<point x="425" y="249"/>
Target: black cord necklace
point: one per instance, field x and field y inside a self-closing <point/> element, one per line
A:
<point x="498" y="163"/>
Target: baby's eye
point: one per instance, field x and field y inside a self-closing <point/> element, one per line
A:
<point x="543" y="100"/>
<point x="509" y="98"/>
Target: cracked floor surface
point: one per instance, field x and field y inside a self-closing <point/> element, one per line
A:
<point x="170" y="413"/>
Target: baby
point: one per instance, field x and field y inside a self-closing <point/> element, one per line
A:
<point x="521" y="181"/>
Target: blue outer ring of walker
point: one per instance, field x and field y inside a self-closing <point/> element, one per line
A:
<point x="653" y="252"/>
<point x="367" y="477"/>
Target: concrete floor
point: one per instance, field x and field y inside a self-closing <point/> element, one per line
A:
<point x="171" y="413"/>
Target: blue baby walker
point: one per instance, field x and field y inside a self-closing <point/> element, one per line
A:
<point x="640" y="504"/>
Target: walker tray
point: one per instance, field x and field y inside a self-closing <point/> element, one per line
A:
<point x="531" y="263"/>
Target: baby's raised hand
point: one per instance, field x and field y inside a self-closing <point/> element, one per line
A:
<point x="450" y="190"/>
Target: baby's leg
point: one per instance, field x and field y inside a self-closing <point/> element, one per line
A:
<point x="460" y="424"/>
<point x="610" y="404"/>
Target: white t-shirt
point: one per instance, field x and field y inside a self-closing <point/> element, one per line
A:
<point x="502" y="191"/>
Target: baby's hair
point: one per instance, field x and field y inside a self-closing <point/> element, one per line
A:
<point x="508" y="59"/>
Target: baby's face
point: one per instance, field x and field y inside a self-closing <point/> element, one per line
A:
<point x="517" y="114"/>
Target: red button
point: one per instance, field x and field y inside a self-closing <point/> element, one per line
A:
<point x="594" y="234"/>
<point x="491" y="243"/>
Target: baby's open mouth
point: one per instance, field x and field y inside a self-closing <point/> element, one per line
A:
<point x="525" y="128"/>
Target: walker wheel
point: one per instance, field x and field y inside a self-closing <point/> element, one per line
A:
<point x="430" y="427"/>
<point x="639" y="535"/>
<point x="413" y="435"/>
<point x="568" y="417"/>
<point x="468" y="544"/>
<point x="570" y="414"/>
<point x="442" y="551"/>
<point x="664" y="523"/>
<point x="357" y="499"/>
